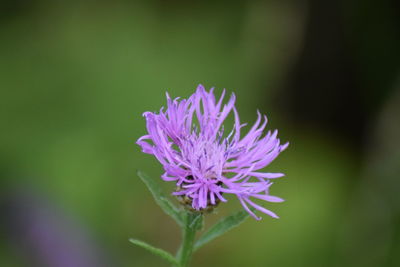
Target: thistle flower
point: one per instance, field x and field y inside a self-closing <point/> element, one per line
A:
<point x="188" y="139"/>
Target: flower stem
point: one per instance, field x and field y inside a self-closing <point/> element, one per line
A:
<point x="192" y="224"/>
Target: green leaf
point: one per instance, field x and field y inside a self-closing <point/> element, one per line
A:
<point x="157" y="251"/>
<point x="197" y="222"/>
<point x="161" y="199"/>
<point x="221" y="227"/>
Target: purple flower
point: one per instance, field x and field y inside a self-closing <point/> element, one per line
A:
<point x="188" y="140"/>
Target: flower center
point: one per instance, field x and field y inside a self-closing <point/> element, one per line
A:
<point x="206" y="157"/>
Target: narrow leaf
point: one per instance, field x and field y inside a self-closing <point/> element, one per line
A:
<point x="160" y="198"/>
<point x="197" y="222"/>
<point x="221" y="227"/>
<point x="157" y="251"/>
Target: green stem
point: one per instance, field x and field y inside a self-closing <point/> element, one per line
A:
<point x="192" y="224"/>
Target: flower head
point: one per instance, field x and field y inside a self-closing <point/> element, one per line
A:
<point x="188" y="139"/>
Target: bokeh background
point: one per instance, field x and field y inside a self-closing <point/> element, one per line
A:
<point x="75" y="77"/>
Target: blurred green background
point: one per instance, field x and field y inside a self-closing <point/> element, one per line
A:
<point x="76" y="76"/>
